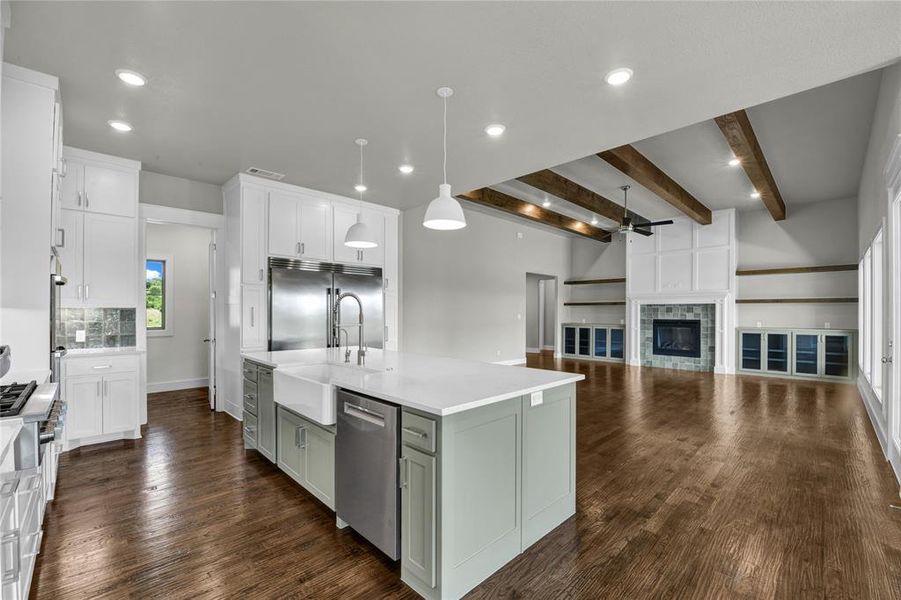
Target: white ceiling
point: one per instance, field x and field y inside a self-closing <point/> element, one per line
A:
<point x="288" y="86"/>
<point x="814" y="143"/>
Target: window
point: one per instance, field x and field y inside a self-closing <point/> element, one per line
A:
<point x="865" y="344"/>
<point x="157" y="305"/>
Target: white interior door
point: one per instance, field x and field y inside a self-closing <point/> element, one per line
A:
<point x="211" y="336"/>
<point x="892" y="384"/>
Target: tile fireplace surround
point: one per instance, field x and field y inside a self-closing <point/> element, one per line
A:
<point x="706" y="313"/>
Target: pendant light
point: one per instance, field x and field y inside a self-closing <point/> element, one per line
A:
<point x="358" y="235"/>
<point x="444" y="212"/>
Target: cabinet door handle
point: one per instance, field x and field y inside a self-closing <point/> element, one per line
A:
<point x="261" y="274"/>
<point x="420" y="434"/>
<point x="303" y="248"/>
<point x="79" y="289"/>
<point x="87" y="201"/>
<point x="403" y="471"/>
<point x="87" y="291"/>
<point x="65" y="170"/>
<point x="11" y="540"/>
<point x="251" y="316"/>
<point x="78" y="201"/>
<point x="62" y="237"/>
<point x="300" y="437"/>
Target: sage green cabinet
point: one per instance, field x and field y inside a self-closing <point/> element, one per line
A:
<point x="418" y="514"/>
<point x="266" y="414"/>
<point x="306" y="452"/>
<point x="548" y="462"/>
<point x="501" y="477"/>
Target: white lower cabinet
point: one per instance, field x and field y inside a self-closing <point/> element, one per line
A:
<point x="85" y="402"/>
<point x="102" y="397"/>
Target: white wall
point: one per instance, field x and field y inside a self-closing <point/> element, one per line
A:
<point x="872" y="214"/>
<point x="180" y="360"/>
<point x="595" y="260"/>
<point x="463" y="289"/>
<point x="532" y="304"/>
<point x="550" y="313"/>
<point x="818" y="233"/>
<point x="176" y="192"/>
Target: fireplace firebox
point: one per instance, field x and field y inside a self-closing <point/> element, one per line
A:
<point x="677" y="337"/>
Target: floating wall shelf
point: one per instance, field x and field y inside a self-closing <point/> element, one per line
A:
<point x="595" y="303"/>
<point x="594" y="281"/>
<point x="794" y="270"/>
<point x="795" y="300"/>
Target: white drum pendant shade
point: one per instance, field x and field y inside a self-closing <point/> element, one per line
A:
<point x="444" y="212"/>
<point x="359" y="236"/>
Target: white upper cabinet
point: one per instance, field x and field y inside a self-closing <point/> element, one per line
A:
<point x="110" y="191"/>
<point x="299" y="226"/>
<point x="315" y="229"/>
<point x="110" y="247"/>
<point x="71" y="254"/>
<point x="72" y="186"/>
<point x="97" y="232"/>
<point x="99" y="188"/>
<point x="253" y="235"/>
<point x="284" y="218"/>
<point x="344" y="217"/>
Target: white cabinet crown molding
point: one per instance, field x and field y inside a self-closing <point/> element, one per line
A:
<point x="246" y="179"/>
<point x="101" y="159"/>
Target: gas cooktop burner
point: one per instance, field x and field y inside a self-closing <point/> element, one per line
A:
<point x="14" y="396"/>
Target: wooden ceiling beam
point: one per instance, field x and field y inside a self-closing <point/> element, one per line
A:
<point x="527" y="210"/>
<point x="737" y="130"/>
<point x="566" y="189"/>
<point x="633" y="163"/>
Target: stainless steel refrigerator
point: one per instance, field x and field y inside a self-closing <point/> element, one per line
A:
<point x="301" y="300"/>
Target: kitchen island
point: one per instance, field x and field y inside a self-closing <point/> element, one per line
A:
<point x="487" y="451"/>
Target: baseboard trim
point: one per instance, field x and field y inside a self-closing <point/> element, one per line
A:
<point x="549" y="348"/>
<point x="172" y="386"/>
<point x="871" y="404"/>
<point x="533" y="350"/>
<point x="511" y="362"/>
<point x="234" y="411"/>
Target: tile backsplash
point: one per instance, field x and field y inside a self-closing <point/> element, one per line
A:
<point x="104" y="327"/>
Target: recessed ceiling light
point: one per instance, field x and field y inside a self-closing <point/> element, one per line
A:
<point x="120" y="126"/>
<point x="618" y="76"/>
<point x="734" y="162"/>
<point x="546" y="203"/>
<point x="405" y="169"/>
<point x="594" y="221"/>
<point x="131" y="77"/>
<point x="755" y="194"/>
<point x="360" y="187"/>
<point x="495" y="129"/>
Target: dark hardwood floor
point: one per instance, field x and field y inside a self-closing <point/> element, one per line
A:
<point x="689" y="486"/>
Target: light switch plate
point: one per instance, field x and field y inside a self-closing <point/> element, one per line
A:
<point x="536" y="399"/>
<point x="828" y="325"/>
<point x="80" y="335"/>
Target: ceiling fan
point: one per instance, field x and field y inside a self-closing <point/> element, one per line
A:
<point x="627" y="224"/>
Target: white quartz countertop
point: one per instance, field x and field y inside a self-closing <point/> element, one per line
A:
<point x="440" y="386"/>
<point x="25" y="375"/>
<point x="76" y="352"/>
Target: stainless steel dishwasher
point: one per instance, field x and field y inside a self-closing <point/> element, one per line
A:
<point x="366" y="469"/>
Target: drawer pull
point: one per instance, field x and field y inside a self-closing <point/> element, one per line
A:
<point x="420" y="434"/>
<point x="97" y="367"/>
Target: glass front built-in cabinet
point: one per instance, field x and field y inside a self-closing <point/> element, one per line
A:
<point x="594" y="341"/>
<point x="799" y="352"/>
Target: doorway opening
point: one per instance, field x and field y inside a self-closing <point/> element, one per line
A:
<point x="541" y="313"/>
<point x="182" y="310"/>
